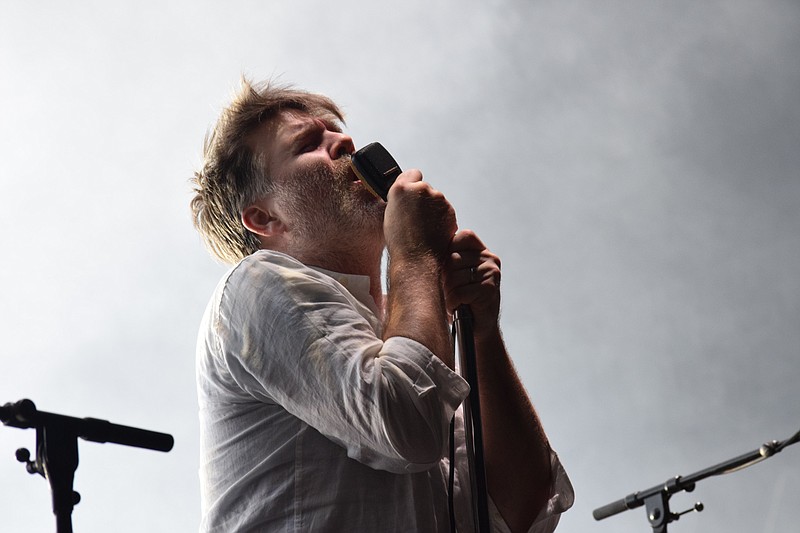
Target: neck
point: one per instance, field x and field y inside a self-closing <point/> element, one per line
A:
<point x="347" y="258"/>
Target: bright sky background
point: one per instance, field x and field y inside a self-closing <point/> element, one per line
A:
<point x="635" y="164"/>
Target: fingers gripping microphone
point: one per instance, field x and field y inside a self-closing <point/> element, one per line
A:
<point x="376" y="168"/>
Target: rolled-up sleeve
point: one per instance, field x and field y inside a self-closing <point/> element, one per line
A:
<point x="293" y="336"/>
<point x="562" y="496"/>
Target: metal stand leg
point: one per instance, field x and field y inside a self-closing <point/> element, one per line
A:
<point x="472" y="419"/>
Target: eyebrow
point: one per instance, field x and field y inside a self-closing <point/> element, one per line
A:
<point x="299" y="131"/>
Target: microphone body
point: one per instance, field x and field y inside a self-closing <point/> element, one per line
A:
<point x="376" y="168"/>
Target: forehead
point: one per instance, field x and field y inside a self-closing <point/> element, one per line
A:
<point x="277" y="134"/>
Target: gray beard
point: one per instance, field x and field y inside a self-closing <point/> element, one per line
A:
<point x="333" y="220"/>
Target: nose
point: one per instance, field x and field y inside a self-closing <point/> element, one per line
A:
<point x="339" y="144"/>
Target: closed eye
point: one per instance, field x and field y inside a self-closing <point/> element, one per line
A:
<point x="310" y="135"/>
<point x="308" y="143"/>
<point x="309" y="140"/>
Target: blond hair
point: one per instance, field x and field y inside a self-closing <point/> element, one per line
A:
<point x="233" y="175"/>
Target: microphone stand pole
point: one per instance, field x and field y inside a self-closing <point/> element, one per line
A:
<point x="473" y="430"/>
<point x="378" y="170"/>
<point x="57" y="449"/>
<point x="656" y="499"/>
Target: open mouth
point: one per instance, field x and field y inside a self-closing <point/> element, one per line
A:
<point x="353" y="176"/>
<point x="351" y="172"/>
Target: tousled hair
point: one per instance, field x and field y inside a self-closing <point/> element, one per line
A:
<point x="234" y="175"/>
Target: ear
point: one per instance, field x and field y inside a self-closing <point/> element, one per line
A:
<point x="261" y="219"/>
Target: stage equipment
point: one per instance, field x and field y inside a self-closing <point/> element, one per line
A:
<point x="656" y="499"/>
<point x="57" y="449"/>
<point x="378" y="170"/>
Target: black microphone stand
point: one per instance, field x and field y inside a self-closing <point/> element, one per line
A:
<point x="378" y="170"/>
<point x="656" y="499"/>
<point x="57" y="449"/>
<point x="473" y="430"/>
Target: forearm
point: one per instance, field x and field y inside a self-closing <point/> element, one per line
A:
<point x="517" y="453"/>
<point x="418" y="225"/>
<point x="415" y="307"/>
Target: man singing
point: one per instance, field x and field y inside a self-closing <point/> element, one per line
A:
<point x="325" y="405"/>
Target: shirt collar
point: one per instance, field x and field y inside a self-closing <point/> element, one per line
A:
<point x="356" y="285"/>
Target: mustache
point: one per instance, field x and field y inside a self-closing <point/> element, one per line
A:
<point x="318" y="178"/>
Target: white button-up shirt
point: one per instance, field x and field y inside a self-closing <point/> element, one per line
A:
<point x="310" y="422"/>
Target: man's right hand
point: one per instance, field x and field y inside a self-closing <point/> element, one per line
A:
<point x="419" y="221"/>
<point x="418" y="225"/>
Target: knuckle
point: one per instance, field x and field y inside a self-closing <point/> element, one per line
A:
<point x="414" y="173"/>
<point x="468" y="235"/>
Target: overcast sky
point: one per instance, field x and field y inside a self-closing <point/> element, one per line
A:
<point x="634" y="164"/>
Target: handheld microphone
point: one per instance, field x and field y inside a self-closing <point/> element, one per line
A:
<point x="376" y="168"/>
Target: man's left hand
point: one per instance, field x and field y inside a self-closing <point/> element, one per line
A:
<point x="472" y="277"/>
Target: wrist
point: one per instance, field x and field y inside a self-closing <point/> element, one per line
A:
<point x="488" y="337"/>
<point x="410" y="263"/>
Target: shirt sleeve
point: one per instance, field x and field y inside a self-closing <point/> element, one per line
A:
<point x="562" y="496"/>
<point x="293" y="336"/>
